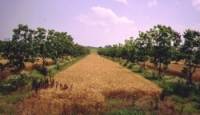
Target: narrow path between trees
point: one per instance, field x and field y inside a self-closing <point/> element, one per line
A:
<point x="91" y="81"/>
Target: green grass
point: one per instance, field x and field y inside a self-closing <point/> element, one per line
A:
<point x="14" y="98"/>
<point x="93" y="50"/>
<point x="112" y="101"/>
<point x="129" y="111"/>
<point x="9" y="102"/>
<point x="7" y="110"/>
<point x="178" y="99"/>
<point x="194" y="97"/>
<point x="191" y="107"/>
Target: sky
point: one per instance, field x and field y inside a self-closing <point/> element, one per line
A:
<point x="99" y="22"/>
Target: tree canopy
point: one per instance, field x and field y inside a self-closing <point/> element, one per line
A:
<point x="27" y="44"/>
<point x="162" y="45"/>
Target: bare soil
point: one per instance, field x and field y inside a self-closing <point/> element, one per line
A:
<point x="91" y="83"/>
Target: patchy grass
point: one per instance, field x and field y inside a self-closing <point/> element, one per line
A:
<point x="112" y="101"/>
<point x="128" y="111"/>
<point x="8" y="103"/>
<point x="14" y="98"/>
<point x="178" y="99"/>
<point x="8" y="109"/>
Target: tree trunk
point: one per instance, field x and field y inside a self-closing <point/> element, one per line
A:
<point x="190" y="77"/>
<point x="127" y="61"/>
<point x="159" y="69"/>
<point x="43" y="63"/>
<point x="144" y="64"/>
<point x="18" y="71"/>
<point x="55" y="61"/>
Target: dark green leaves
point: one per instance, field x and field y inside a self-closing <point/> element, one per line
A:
<point x="191" y="52"/>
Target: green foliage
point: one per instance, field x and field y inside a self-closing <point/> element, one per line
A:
<point x="194" y="96"/>
<point x="16" y="55"/>
<point x="180" y="88"/>
<point x="130" y="50"/>
<point x="191" y="107"/>
<point x="164" y="39"/>
<point x="178" y="99"/>
<point x="141" y="69"/>
<point x="57" y="66"/>
<point x="2" y="67"/>
<point x="144" y="45"/>
<point x="176" y="54"/>
<point x="130" y="66"/>
<point x="151" y="75"/>
<point x="125" y="64"/>
<point x="21" y="48"/>
<point x="27" y="44"/>
<point x="191" y="52"/>
<point x="127" y="51"/>
<point x="43" y="71"/>
<point x="128" y="111"/>
<point x="197" y="106"/>
<point x="13" y="83"/>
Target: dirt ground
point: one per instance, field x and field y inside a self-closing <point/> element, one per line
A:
<point x="91" y="83"/>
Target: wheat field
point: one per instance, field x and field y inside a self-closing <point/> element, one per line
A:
<point x="91" y="82"/>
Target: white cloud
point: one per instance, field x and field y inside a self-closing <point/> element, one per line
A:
<point x="107" y="26"/>
<point x="109" y="15"/>
<point x="152" y="3"/>
<point x="103" y="16"/>
<point x="122" y="1"/>
<point x="196" y="4"/>
<point x="88" y="21"/>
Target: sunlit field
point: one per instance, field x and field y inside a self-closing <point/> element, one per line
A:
<point x="93" y="82"/>
<point x="103" y="57"/>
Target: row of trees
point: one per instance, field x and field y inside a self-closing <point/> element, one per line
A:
<point x="160" y="44"/>
<point x="27" y="45"/>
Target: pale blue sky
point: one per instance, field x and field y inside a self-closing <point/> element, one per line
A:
<point x="99" y="22"/>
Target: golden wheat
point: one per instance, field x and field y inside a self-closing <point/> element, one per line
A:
<point x="94" y="80"/>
